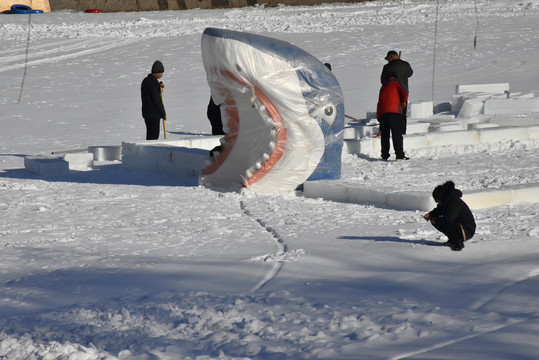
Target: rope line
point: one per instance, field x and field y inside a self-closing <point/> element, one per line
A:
<point x="434" y="50"/>
<point x="476" y="25"/>
<point x="26" y="53"/>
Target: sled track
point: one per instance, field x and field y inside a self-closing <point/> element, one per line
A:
<point x="281" y="249"/>
<point x="454" y="341"/>
<point x="481" y="304"/>
<point x="56" y="51"/>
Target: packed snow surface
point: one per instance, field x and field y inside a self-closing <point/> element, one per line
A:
<point x="116" y="264"/>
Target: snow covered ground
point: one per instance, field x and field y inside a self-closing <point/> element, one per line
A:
<point x="116" y="264"/>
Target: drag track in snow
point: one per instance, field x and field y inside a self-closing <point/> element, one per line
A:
<point x="47" y="52"/>
<point x="280" y="254"/>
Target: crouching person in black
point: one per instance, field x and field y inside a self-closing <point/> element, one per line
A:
<point x="452" y="216"/>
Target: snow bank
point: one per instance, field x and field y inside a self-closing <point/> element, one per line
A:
<point x="168" y="157"/>
<point x="44" y="165"/>
<point x="344" y="191"/>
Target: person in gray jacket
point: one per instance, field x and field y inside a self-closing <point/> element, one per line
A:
<point x="397" y="68"/>
<point x="400" y="70"/>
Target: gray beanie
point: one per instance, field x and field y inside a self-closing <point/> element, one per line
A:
<point x="158" y="67"/>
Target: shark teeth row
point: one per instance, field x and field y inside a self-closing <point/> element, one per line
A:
<point x="258" y="165"/>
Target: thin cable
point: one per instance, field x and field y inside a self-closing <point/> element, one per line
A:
<point x="434" y="51"/>
<point x="26" y="55"/>
<point x="476" y="25"/>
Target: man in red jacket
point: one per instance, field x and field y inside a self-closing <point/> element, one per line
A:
<point x="390" y="114"/>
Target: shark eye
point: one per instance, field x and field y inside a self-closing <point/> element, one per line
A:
<point x="324" y="112"/>
<point x="329" y="113"/>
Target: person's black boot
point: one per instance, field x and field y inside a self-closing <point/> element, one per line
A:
<point x="456" y="245"/>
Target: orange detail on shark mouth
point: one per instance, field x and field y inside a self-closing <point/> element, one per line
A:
<point x="281" y="138"/>
<point x="233" y="124"/>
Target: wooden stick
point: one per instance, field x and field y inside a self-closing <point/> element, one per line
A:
<point x="164" y="123"/>
<point x="353" y="118"/>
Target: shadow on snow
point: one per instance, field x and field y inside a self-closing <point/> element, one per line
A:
<point x="112" y="174"/>
<point x="393" y="239"/>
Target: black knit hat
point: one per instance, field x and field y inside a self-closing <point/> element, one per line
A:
<point x="391" y="53"/>
<point x="441" y="191"/>
<point x="158" y="67"/>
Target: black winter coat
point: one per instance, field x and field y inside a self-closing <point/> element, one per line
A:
<point x="399" y="69"/>
<point x="214" y="115"/>
<point x="452" y="209"/>
<point x="152" y="104"/>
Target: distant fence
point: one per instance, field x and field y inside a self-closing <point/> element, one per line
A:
<point x="160" y="5"/>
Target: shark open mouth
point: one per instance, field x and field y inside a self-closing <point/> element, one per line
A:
<point x="282" y="113"/>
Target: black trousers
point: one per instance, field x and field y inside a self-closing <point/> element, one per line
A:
<point x="454" y="232"/>
<point x="152" y="128"/>
<point x="393" y="125"/>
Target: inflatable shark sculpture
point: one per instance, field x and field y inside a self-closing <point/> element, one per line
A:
<point x="282" y="111"/>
